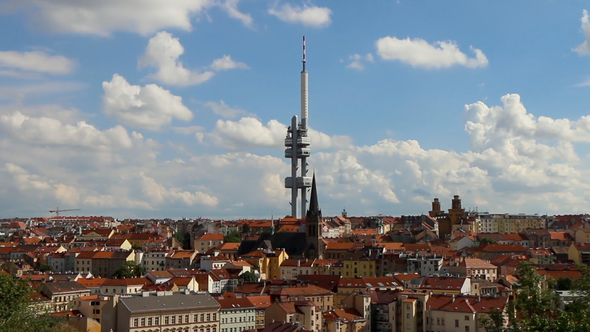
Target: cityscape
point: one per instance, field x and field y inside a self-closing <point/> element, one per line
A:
<point x="164" y="210"/>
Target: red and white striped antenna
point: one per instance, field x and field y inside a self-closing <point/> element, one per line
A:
<point x="304" y="53"/>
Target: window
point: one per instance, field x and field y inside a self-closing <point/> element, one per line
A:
<point x="438" y="321"/>
<point x="466" y="328"/>
<point x="166" y="320"/>
<point x="456" y="323"/>
<point x="202" y="317"/>
<point x="208" y="317"/>
<point x="96" y="311"/>
<point x="179" y="319"/>
<point x="214" y="317"/>
<point x="157" y="321"/>
<point x="150" y="321"/>
<point x="466" y="317"/>
<point x="143" y="322"/>
<point x="186" y="318"/>
<point x="174" y="320"/>
<point x="135" y="322"/>
<point x="196" y="318"/>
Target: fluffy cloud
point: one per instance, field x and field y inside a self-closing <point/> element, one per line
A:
<point x="419" y="53"/>
<point x="159" y="194"/>
<point x="104" y="17"/>
<point x="518" y="162"/>
<point x="35" y="62"/>
<point x="249" y="132"/>
<point x="226" y="63"/>
<point x="584" y="48"/>
<point x="148" y="107"/>
<point x="36" y="186"/>
<point x="49" y="131"/>
<point x="162" y="53"/>
<point x="490" y="126"/>
<point x="311" y="16"/>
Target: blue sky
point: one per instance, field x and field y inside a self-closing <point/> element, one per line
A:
<point x="179" y="108"/>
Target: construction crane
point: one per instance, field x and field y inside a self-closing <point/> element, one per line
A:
<point x="57" y="211"/>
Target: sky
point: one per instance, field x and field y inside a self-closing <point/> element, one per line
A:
<point x="179" y="108"/>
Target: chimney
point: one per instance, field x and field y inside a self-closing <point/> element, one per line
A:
<point x="453" y="298"/>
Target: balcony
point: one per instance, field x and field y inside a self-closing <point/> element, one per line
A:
<point x="301" y="182"/>
<point x="300" y="141"/>
<point x="303" y="152"/>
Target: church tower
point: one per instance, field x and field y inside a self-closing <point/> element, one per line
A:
<point x="314" y="245"/>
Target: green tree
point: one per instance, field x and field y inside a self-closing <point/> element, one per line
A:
<point x="233" y="237"/>
<point x="248" y="276"/>
<point x="18" y="313"/>
<point x="564" y="283"/>
<point x="184" y="238"/>
<point x="129" y="270"/>
<point x="494" y="322"/>
<point x="45" y="268"/>
<point x="487" y="240"/>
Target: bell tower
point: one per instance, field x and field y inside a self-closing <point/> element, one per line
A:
<point x="314" y="246"/>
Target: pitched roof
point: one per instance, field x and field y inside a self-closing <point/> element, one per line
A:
<point x="466" y="303"/>
<point x="126" y="282"/>
<point x="168" y="302"/>
<point x="476" y="263"/>
<point x="211" y="237"/>
<point x="260" y="302"/>
<point x="94" y="282"/>
<point x="230" y="303"/>
<point x="503" y="247"/>
<point x="442" y="283"/>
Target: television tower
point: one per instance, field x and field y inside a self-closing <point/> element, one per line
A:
<point x="297" y="148"/>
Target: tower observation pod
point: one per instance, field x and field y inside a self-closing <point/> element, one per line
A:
<point x="297" y="148"/>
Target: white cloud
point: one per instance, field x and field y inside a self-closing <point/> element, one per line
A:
<point x="148" y="107"/>
<point x="249" y="132"/>
<point x="584" y="83"/>
<point x="36" y="62"/>
<point x="312" y="16"/>
<point x="159" y="194"/>
<point x="226" y="63"/>
<point x="493" y="126"/>
<point x="36" y="186"/>
<point x="104" y="17"/>
<point x="357" y="61"/>
<point x="418" y="53"/>
<point x="162" y="53"/>
<point x="223" y="109"/>
<point x="49" y="131"/>
<point x="584" y="48"/>
<point x="231" y="7"/>
<point x="518" y="162"/>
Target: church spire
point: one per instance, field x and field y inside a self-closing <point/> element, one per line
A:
<point x="314" y="206"/>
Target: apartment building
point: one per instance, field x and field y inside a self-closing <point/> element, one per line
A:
<point x="62" y="294"/>
<point x="236" y="314"/>
<point x="207" y="241"/>
<point x="162" y="311"/>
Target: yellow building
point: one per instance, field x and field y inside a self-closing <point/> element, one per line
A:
<point x="266" y="262"/>
<point x="582" y="235"/>
<point x="363" y="267"/>
<point x="516" y="223"/>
